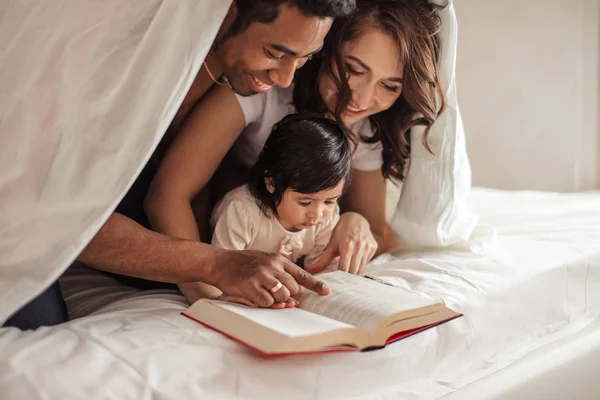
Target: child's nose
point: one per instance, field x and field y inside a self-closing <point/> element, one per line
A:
<point x="316" y="214"/>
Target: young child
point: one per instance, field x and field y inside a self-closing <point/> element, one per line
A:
<point x="290" y="204"/>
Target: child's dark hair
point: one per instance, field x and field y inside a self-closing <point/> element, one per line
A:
<point x="306" y="153"/>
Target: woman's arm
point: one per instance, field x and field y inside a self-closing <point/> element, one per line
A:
<point x="360" y="233"/>
<point x="322" y="239"/>
<point x="191" y="161"/>
<point x="366" y="196"/>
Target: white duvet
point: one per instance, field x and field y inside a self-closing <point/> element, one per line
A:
<point x="537" y="280"/>
<point x="87" y="89"/>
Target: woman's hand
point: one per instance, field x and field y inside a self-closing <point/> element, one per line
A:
<point x="353" y="241"/>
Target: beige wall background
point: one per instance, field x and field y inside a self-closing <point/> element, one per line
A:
<point x="528" y="77"/>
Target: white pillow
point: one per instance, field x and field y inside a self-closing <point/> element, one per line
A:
<point x="432" y="210"/>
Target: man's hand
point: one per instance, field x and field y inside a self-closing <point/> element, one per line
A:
<point x="253" y="276"/>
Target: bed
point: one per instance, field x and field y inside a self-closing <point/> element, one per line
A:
<point x="526" y="275"/>
<point x="529" y="289"/>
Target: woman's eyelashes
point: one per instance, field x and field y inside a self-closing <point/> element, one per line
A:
<point x="390" y="88"/>
<point x="355" y="72"/>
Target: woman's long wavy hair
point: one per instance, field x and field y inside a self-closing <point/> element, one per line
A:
<point x="415" y="27"/>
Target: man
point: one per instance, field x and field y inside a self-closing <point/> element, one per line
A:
<point x="260" y="44"/>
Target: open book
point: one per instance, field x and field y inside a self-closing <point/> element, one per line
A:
<point x="359" y="314"/>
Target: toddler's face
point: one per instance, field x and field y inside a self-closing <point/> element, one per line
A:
<point x="298" y="211"/>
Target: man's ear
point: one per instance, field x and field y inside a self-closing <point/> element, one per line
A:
<point x="269" y="184"/>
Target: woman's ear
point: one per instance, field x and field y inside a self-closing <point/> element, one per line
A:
<point x="269" y="184"/>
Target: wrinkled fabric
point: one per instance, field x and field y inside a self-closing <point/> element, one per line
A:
<point x="432" y="210"/>
<point x="87" y="89"/>
<point x="536" y="282"/>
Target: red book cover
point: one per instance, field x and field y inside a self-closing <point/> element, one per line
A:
<point x="394" y="338"/>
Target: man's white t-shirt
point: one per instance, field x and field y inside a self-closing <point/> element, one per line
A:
<point x="262" y="111"/>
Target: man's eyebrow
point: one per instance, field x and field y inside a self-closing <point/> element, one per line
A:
<point x="286" y="50"/>
<point x="365" y="66"/>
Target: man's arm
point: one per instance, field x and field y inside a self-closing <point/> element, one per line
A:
<point x="123" y="246"/>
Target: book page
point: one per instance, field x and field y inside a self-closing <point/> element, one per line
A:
<point x="291" y="322"/>
<point x="359" y="301"/>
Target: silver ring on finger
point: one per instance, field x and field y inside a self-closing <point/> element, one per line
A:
<point x="275" y="288"/>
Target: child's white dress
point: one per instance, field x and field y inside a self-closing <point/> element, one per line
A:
<point x="241" y="225"/>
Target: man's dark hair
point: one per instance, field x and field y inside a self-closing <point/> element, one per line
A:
<point x="306" y="153"/>
<point x="266" y="11"/>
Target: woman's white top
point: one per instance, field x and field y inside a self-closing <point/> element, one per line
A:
<point x="264" y="110"/>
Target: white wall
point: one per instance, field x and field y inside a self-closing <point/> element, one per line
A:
<point x="598" y="114"/>
<point x="528" y="82"/>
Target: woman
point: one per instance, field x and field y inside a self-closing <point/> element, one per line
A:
<point x="377" y="74"/>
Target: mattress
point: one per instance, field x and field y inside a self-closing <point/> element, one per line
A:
<point x="567" y="368"/>
<point x="532" y="280"/>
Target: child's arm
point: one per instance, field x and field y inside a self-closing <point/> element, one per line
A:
<point x="234" y="230"/>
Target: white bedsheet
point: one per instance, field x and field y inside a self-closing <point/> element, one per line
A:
<point x="536" y="281"/>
